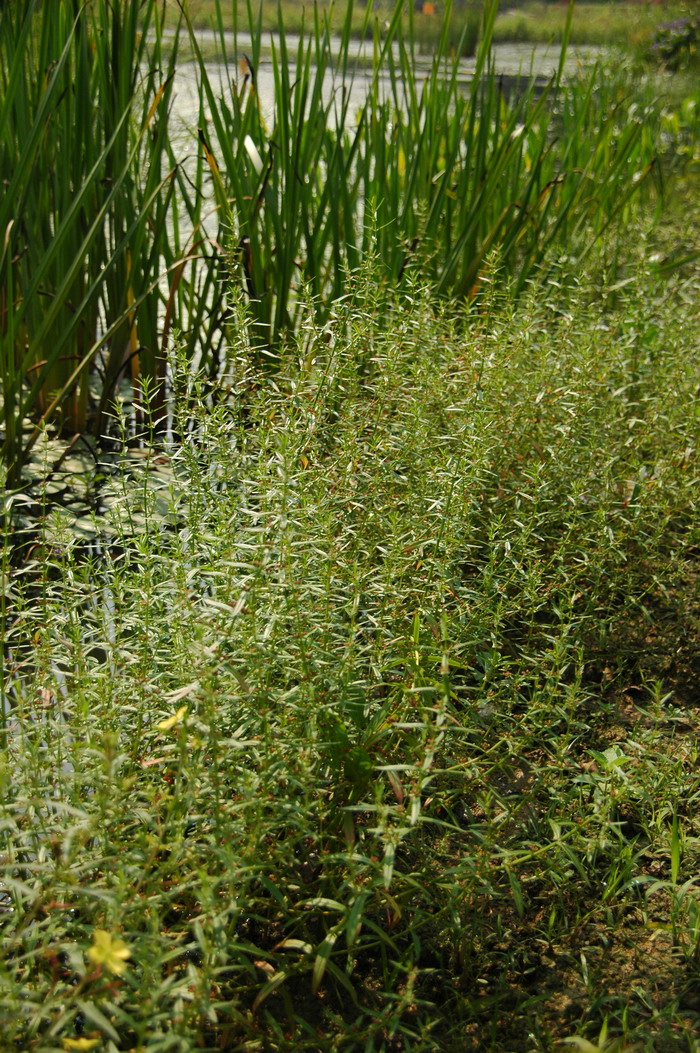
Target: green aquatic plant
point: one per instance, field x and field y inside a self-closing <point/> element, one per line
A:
<point x="450" y="173"/>
<point x="83" y="132"/>
<point x="109" y="244"/>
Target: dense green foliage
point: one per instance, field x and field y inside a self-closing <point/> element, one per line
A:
<point x="429" y="175"/>
<point x="365" y="726"/>
<point x="106" y="249"/>
<point x="360" y="714"/>
<point x="80" y="261"/>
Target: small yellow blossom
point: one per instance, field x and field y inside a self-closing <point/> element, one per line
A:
<point x="166" y="725"/>
<point x="80" y="1043"/>
<point x="108" y="951"/>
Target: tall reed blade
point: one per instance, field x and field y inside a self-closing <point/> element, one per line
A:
<point x="451" y="173"/>
<point x="85" y="215"/>
<point x="106" y="244"/>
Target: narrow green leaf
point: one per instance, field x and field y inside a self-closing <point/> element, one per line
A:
<point x="675" y="848"/>
<point x="93" y="1014"/>
<point x="322" y="958"/>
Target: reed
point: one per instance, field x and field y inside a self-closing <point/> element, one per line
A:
<point x="83" y="149"/>
<point x="450" y="173"/>
<point x="105" y="251"/>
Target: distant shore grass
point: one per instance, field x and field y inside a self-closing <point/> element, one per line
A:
<point x="619" y="24"/>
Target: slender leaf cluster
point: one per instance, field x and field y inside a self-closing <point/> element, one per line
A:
<point x="364" y="723"/>
<point x="83" y="135"/>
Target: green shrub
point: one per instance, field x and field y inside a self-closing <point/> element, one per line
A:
<point x="353" y="720"/>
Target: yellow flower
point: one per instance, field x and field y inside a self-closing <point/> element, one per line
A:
<point x="110" y="952"/>
<point x="80" y="1043"/>
<point x="166" y="725"/>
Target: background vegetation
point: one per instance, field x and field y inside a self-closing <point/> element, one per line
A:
<point x="620" y="23"/>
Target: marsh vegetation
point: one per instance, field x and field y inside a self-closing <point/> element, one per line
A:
<point x="362" y="714"/>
